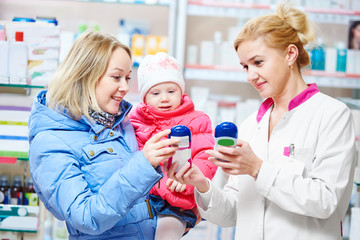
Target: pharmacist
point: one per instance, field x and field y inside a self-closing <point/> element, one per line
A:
<point x="291" y="173"/>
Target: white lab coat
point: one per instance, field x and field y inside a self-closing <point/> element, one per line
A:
<point x="281" y="204"/>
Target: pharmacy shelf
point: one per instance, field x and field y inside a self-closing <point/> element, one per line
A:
<point x="19" y="218"/>
<point x="28" y="84"/>
<point x="331" y="74"/>
<point x="237" y="74"/>
<point x="223" y="4"/>
<point x="14" y="140"/>
<point x="214" y="73"/>
<point x="348" y="12"/>
<point x="21" y="85"/>
<point x="352" y="103"/>
<point x="11" y="157"/>
<point x="333" y="79"/>
<point x="224" y="9"/>
<point x="149" y="3"/>
<point x="247" y="10"/>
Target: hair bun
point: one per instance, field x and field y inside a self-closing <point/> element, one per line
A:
<point x="297" y="20"/>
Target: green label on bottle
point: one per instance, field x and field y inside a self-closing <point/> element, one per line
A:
<point x="226" y="142"/>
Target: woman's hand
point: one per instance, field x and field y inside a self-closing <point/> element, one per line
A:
<point x="186" y="175"/>
<point x="175" y="186"/>
<point x="236" y="161"/>
<point x="156" y="150"/>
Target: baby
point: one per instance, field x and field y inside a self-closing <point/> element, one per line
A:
<point x="161" y="86"/>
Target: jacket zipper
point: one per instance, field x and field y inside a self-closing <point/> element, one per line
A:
<point x="151" y="215"/>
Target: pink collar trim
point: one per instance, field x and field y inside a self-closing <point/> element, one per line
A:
<point x="296" y="101"/>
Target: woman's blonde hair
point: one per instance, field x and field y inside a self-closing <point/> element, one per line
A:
<point x="72" y="87"/>
<point x="278" y="30"/>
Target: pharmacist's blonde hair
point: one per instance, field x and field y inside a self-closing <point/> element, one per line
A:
<point x="72" y="87"/>
<point x="278" y="30"/>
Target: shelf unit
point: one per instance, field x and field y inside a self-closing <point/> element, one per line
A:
<point x="233" y="74"/>
<point x="21" y="85"/>
<point x="228" y="9"/>
<point x="53" y="4"/>
<point x="68" y="13"/>
<point x="244" y="10"/>
<point x="19" y="218"/>
<point x="171" y="5"/>
<point x="13" y="148"/>
<point x="179" y="10"/>
<point x="160" y="3"/>
<point x="14" y="161"/>
<point x="13" y="134"/>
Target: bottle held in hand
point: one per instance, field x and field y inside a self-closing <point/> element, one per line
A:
<point x="183" y="154"/>
<point x="226" y="134"/>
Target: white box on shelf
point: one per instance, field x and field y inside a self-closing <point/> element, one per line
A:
<point x="200" y="96"/>
<point x="19" y="218"/>
<point x="14" y="130"/>
<point x="66" y="42"/>
<point x="43" y="42"/>
<point x="354" y="223"/>
<point x="207" y="51"/>
<point x="32" y="30"/>
<point x="211" y="109"/>
<point x="41" y="71"/>
<point x="229" y="56"/>
<point x="4" y="66"/>
<point x="351" y="61"/>
<point x="330" y="59"/>
<point x="191" y="54"/>
<point x="357" y="59"/>
<point x="43" y="79"/>
<point x="18" y="60"/>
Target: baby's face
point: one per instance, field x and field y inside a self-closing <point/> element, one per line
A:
<point x="164" y="96"/>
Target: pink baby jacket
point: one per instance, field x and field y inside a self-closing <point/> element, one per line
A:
<point x="148" y="121"/>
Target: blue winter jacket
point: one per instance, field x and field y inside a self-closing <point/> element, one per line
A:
<point x="90" y="176"/>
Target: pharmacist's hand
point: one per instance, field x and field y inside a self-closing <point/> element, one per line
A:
<point x="156" y="150"/>
<point x="186" y="175"/>
<point x="236" y="161"/>
<point x="175" y="186"/>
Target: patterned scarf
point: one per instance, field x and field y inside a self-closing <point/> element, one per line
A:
<point x="104" y="118"/>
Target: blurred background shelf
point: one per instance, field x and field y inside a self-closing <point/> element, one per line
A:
<point x="21" y="85"/>
<point x="237" y="74"/>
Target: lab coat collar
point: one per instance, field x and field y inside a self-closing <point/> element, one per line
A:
<point x="296" y="101"/>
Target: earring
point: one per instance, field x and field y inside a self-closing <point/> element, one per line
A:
<point x="291" y="66"/>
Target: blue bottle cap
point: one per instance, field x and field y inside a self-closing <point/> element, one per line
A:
<point x="22" y="19"/>
<point x="180" y="131"/>
<point x="49" y="20"/>
<point x="226" y="129"/>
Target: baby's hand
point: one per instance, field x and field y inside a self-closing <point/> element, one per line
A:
<point x="173" y="185"/>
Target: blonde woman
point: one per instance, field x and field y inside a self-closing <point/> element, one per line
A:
<point x="291" y="173"/>
<point x="84" y="156"/>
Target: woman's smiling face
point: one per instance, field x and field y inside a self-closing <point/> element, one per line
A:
<point x="267" y="69"/>
<point x="114" y="84"/>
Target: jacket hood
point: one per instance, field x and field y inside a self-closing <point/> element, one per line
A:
<point x="43" y="118"/>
